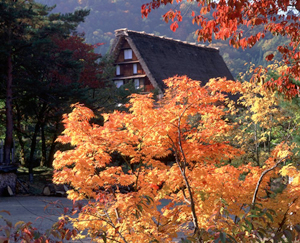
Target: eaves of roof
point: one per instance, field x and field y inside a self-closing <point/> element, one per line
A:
<point x="163" y="57"/>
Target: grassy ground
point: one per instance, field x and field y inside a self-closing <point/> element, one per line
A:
<point x="41" y="177"/>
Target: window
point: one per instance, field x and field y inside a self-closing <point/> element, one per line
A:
<point x="127" y="54"/>
<point x="119" y="83"/>
<point x="118" y="70"/>
<point x="137" y="83"/>
<point x="135" y="68"/>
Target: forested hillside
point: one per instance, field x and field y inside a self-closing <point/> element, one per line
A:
<point x="109" y="15"/>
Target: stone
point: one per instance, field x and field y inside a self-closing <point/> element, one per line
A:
<point x="8" y="179"/>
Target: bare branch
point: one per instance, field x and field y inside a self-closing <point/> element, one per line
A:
<point x="185" y="198"/>
<point x="262" y="176"/>
<point x="191" y="201"/>
<point x="113" y="225"/>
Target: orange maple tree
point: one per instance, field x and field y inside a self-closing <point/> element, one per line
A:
<point x="203" y="195"/>
<point x="279" y="17"/>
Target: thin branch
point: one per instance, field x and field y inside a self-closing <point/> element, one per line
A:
<point x="117" y="213"/>
<point x="281" y="224"/>
<point x="113" y="225"/>
<point x="128" y="163"/>
<point x="185" y="198"/>
<point x="192" y="203"/>
<point x="175" y="152"/>
<point x="182" y="170"/>
<point x="137" y="176"/>
<point x="108" y="238"/>
<point x="261" y="178"/>
<point x="179" y="135"/>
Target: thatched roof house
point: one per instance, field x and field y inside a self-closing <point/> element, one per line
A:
<point x="148" y="59"/>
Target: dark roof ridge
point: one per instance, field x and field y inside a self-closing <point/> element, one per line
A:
<point x="162" y="57"/>
<point x="124" y="31"/>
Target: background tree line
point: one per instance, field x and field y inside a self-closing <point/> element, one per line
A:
<point x="108" y="15"/>
<point x="46" y="65"/>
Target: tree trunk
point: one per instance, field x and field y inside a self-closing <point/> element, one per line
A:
<point x="8" y="144"/>
<point x="44" y="148"/>
<point x="32" y="150"/>
<point x="256" y="142"/>
<point x="19" y="135"/>
<point x="52" y="148"/>
<point x="34" y="139"/>
<point x="22" y="149"/>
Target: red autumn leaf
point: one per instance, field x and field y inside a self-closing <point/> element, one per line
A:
<point x="154" y="186"/>
<point x="174" y="26"/>
<point x="235" y="15"/>
<point x="297" y="5"/>
<point x="270" y="57"/>
<point x="66" y="209"/>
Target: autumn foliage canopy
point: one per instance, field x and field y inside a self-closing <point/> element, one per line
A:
<point x="205" y="160"/>
<point x="175" y="170"/>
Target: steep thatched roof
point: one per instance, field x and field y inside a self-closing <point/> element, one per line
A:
<point x="163" y="57"/>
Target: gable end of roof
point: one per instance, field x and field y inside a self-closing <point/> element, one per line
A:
<point x="163" y="57"/>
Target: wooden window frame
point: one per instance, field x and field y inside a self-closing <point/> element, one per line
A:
<point x="128" y="54"/>
<point x="135" y="68"/>
<point x="118" y="70"/>
<point x="118" y="83"/>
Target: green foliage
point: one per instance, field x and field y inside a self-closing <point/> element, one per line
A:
<point x="52" y="67"/>
<point x="251" y="225"/>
